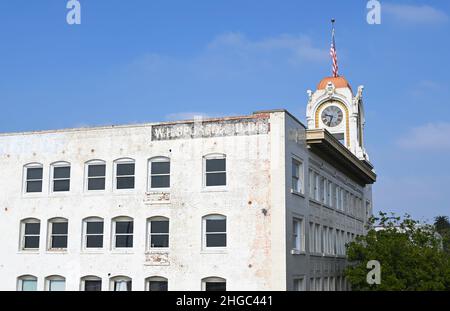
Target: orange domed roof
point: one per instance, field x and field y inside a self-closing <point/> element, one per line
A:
<point x="337" y="81"/>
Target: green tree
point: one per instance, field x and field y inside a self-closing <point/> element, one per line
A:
<point x="410" y="255"/>
<point x="442" y="226"/>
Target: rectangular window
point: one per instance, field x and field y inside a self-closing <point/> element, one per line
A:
<point x="316" y="187"/>
<point x="31" y="235"/>
<point x="61" y="178"/>
<point x="318" y="239"/>
<point x="124" y="234"/>
<point x="311" y="238"/>
<point x="311" y="184"/>
<point x="297" y="179"/>
<point x="160" y="174"/>
<point x="34" y="179"/>
<point x="125" y="175"/>
<point x="299" y="284"/>
<point x="96" y="176"/>
<point x="216" y="232"/>
<point x="59" y="235"/>
<point x="92" y="285"/>
<point x="159" y="233"/>
<point x="325" y="239"/>
<point x="94" y="234"/>
<point x="312" y="285"/>
<point x="326" y="285"/>
<point x="216" y="172"/>
<point x="318" y="284"/>
<point x="297" y="235"/>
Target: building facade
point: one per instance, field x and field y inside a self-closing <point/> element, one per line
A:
<point x="257" y="202"/>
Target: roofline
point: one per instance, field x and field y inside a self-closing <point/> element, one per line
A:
<point x="281" y="110"/>
<point x="327" y="146"/>
<point x="146" y="124"/>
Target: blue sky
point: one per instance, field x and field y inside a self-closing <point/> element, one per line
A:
<point x="140" y="60"/>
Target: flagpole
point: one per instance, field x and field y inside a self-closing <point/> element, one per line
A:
<point x="333" y="51"/>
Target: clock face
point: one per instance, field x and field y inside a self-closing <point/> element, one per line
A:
<point x="332" y="116"/>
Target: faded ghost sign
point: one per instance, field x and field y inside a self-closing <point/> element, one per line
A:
<point x="215" y="128"/>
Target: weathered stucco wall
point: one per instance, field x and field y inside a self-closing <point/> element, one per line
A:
<point x="247" y="262"/>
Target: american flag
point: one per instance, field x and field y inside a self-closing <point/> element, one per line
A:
<point x="333" y="53"/>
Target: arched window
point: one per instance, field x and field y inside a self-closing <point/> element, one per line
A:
<point x="156" y="284"/>
<point x="158" y="232"/>
<point x="33" y="176"/>
<point x="123" y="228"/>
<point x="91" y="283"/>
<point x="95" y="172"/>
<point x="93" y="230"/>
<point x="159" y="173"/>
<point x="27" y="283"/>
<point x="214" y="283"/>
<point x="55" y="283"/>
<point x="214" y="231"/>
<point x="120" y="284"/>
<point x="215" y="170"/>
<point x="60" y="176"/>
<point x="58" y="234"/>
<point x="30" y="229"/>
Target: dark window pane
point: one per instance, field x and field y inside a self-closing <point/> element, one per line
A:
<point x="93" y="286"/>
<point x="59" y="228"/>
<point x="93" y="227"/>
<point x="125" y="169"/>
<point x="31" y="242"/>
<point x="125" y="182"/>
<point x="214" y="165"/>
<point x="34" y="186"/>
<point x="59" y="242"/>
<point x="294" y="169"/>
<point x="159" y="226"/>
<point x="160" y="240"/>
<point x="216" y="179"/>
<point x="61" y="185"/>
<point x="160" y="181"/>
<point x="94" y="241"/>
<point x="32" y="228"/>
<point x="124" y="227"/>
<point x="216" y="240"/>
<point x="96" y="170"/>
<point x="215" y="286"/>
<point x="158" y="286"/>
<point x="124" y="241"/>
<point x="216" y="225"/>
<point x="34" y="173"/>
<point x="160" y="168"/>
<point x="61" y="172"/>
<point x="96" y="184"/>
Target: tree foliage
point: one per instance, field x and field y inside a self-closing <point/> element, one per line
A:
<point x="410" y="254"/>
<point x="442" y="226"/>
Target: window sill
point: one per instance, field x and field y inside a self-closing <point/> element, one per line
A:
<point x="92" y="251"/>
<point x="315" y="201"/>
<point x="316" y="254"/>
<point x="213" y="251"/>
<point x="29" y="252"/>
<point x="300" y="194"/>
<point x="35" y="195"/>
<point x="214" y="189"/>
<point x="56" y="251"/>
<point x="124" y="252"/>
<point x="297" y="252"/>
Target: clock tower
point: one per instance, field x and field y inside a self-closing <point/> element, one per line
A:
<point x="333" y="106"/>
